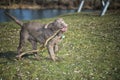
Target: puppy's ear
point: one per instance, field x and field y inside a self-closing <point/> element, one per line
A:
<point x="59" y="20"/>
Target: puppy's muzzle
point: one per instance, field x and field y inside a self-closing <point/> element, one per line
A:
<point x="64" y="29"/>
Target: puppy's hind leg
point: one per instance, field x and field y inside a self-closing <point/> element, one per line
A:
<point x="20" y="47"/>
<point x="22" y="41"/>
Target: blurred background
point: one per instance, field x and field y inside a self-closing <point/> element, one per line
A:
<point x="38" y="9"/>
<point x="61" y="4"/>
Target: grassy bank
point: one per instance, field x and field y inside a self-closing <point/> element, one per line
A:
<point x="90" y="51"/>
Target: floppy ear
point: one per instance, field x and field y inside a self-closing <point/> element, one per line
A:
<point x="58" y="21"/>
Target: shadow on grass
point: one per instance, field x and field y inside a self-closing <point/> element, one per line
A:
<point x="9" y="55"/>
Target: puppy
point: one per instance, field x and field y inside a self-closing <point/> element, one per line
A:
<point x="36" y="32"/>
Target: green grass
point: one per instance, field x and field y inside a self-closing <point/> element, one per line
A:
<point x="90" y="51"/>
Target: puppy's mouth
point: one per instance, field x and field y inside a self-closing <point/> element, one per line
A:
<point x="64" y="29"/>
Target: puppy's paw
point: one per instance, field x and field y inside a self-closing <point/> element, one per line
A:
<point x="18" y="57"/>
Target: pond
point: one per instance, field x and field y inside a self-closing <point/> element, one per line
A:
<point x="30" y="14"/>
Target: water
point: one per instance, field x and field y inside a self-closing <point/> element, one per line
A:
<point x="28" y="14"/>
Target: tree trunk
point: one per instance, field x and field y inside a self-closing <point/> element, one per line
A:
<point x="9" y="2"/>
<point x="21" y="2"/>
<point x="34" y="2"/>
<point x="13" y="1"/>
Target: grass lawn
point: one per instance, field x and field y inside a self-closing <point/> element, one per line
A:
<point x="89" y="51"/>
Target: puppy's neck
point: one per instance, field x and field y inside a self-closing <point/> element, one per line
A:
<point x="52" y="27"/>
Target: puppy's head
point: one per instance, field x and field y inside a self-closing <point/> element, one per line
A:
<point x="60" y="24"/>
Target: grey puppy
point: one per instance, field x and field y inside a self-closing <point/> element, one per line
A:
<point x="36" y="32"/>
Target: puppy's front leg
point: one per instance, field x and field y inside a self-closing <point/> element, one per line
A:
<point x="56" y="48"/>
<point x="51" y="51"/>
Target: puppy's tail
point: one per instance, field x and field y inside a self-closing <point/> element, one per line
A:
<point x="14" y="19"/>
